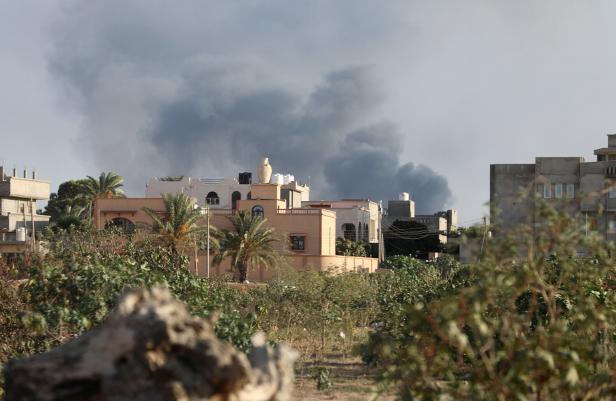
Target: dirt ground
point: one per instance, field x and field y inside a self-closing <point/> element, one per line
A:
<point x="350" y="379"/>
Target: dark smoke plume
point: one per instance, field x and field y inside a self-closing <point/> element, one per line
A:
<point x="162" y="101"/>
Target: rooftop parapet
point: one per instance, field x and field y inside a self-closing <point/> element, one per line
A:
<point x="24" y="188"/>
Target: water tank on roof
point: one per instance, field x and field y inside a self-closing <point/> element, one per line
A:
<point x="20" y="234"/>
<point x="404" y="196"/>
<point x="288" y="178"/>
<point x="277" y="179"/>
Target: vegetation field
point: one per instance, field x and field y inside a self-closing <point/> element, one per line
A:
<point x="535" y="319"/>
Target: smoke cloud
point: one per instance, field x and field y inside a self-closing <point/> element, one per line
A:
<point x="208" y="91"/>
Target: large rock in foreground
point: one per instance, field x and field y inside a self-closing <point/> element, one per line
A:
<point x="152" y="349"/>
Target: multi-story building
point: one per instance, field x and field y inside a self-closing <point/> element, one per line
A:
<point x="224" y="193"/>
<point x="441" y="223"/>
<point x="570" y="184"/>
<point x="19" y="220"/>
<point x="357" y="219"/>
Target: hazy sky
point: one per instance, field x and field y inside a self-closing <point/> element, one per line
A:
<point x="368" y="98"/>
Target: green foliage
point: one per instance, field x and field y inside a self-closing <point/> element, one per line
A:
<point x="322" y="377"/>
<point x="75" y="287"/>
<point x="249" y="244"/>
<point x="173" y="178"/>
<point x="178" y="227"/>
<point x="347" y="247"/>
<point x="108" y="185"/>
<point x="476" y="231"/>
<point x="534" y="320"/>
<point x="70" y="194"/>
<point x="402" y="262"/>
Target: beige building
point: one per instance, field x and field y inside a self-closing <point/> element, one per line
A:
<point x="570" y="184"/>
<point x="19" y="220"/>
<point x="306" y="236"/>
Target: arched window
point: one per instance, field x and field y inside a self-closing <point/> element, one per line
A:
<point x="257" y="211"/>
<point x="249" y="195"/>
<point x="348" y="230"/>
<point x="212" y="198"/>
<point x="122" y="224"/>
<point x="235" y="196"/>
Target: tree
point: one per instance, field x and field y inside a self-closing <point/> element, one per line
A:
<point x="178" y="226"/>
<point x="249" y="244"/>
<point x="108" y="185"/>
<point x="70" y="216"/>
<point x="347" y="247"/>
<point x="70" y="193"/>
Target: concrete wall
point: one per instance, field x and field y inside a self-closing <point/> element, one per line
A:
<point x="199" y="188"/>
<point x="25" y="188"/>
<point x="512" y="188"/>
<point x="330" y="264"/>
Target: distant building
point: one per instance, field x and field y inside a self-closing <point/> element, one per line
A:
<point x="19" y="220"/>
<point x="306" y="235"/>
<point x="570" y="184"/>
<point x="224" y="193"/>
<point x="356" y="219"/>
<point x="441" y="223"/>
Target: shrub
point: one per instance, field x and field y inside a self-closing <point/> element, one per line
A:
<point x="536" y="327"/>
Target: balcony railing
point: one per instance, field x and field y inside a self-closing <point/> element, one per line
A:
<point x="306" y="212"/>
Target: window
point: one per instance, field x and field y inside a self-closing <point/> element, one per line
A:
<point x="611" y="226"/>
<point x="570" y="191"/>
<point x="298" y="242"/>
<point x="540" y="190"/>
<point x="235" y="196"/>
<point x="212" y="198"/>
<point x="349" y="232"/>
<point x="547" y="191"/>
<point x="612" y="193"/>
<point x="257" y="212"/>
<point x="558" y="191"/>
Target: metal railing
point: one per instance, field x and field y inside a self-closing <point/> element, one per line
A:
<point x="305" y="212"/>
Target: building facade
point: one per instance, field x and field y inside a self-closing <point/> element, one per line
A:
<point x="224" y="193"/>
<point x="356" y="219"/>
<point x="19" y="220"/>
<point x="305" y="236"/>
<point x="570" y="184"/>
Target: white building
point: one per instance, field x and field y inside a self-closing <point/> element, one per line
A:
<point x="223" y="193"/>
<point x="356" y="219"/>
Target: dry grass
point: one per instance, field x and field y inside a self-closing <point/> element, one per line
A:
<point x="351" y="380"/>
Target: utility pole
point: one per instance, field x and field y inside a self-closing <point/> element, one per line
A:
<point x="32" y="205"/>
<point x="483" y="240"/>
<point x="207" y="208"/>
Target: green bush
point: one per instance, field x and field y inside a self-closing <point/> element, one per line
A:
<point x="541" y="326"/>
<point x="78" y="283"/>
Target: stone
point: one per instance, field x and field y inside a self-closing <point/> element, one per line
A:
<point x="152" y="349"/>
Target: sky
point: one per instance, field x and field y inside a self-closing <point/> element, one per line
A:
<point x="359" y="98"/>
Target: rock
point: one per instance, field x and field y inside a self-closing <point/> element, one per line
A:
<point x="152" y="349"/>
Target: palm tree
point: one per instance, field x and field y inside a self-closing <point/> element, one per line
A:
<point x="70" y="215"/>
<point x="178" y="226"/>
<point x="109" y="185"/>
<point x="248" y="245"/>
